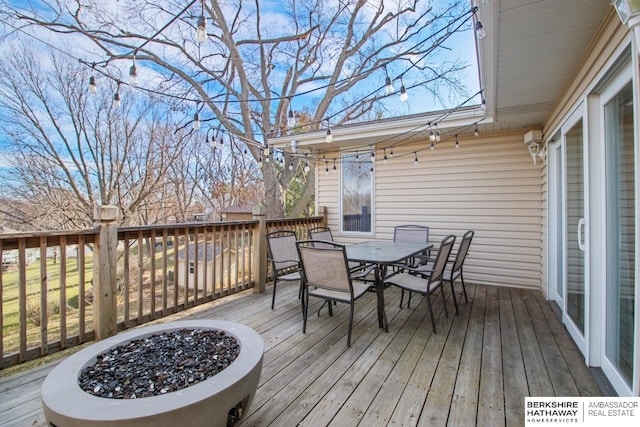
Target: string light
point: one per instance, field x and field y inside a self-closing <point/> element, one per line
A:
<point x="260" y="164"/>
<point x="480" y="31"/>
<point x="196" y="118"/>
<point x="291" y="165"/>
<point x="415" y="160"/>
<point x="437" y="134"/>
<point x="391" y="153"/>
<point x="116" y="97"/>
<point x="306" y="167"/>
<point x="326" y="168"/>
<point x="403" y="93"/>
<point x="384" y="159"/>
<point x="267" y="151"/>
<point x="329" y="137"/>
<point x="432" y="136"/>
<point x="291" y="121"/>
<point x="133" y="73"/>
<point x="201" y="32"/>
<point x="457" y="143"/>
<point x="373" y="156"/>
<point x="475" y="132"/>
<point x="432" y="146"/>
<point x="334" y="166"/>
<point x="92" y="85"/>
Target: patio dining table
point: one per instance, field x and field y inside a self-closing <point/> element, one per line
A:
<point x="383" y="253"/>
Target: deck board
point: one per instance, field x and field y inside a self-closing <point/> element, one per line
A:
<point x="505" y="344"/>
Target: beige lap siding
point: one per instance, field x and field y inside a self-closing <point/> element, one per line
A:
<point x="489" y="185"/>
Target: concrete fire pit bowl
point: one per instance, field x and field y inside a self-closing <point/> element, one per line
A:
<point x="209" y="402"/>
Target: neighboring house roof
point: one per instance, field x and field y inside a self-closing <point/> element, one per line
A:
<point x="201" y="250"/>
<point x="237" y="209"/>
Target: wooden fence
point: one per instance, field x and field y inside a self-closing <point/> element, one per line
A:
<point x="59" y="289"/>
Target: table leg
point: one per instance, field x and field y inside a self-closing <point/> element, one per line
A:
<point x="380" y="273"/>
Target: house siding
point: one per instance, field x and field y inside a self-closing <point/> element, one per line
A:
<point x="489" y="185"/>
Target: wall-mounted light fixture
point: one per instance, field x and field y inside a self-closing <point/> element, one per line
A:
<point x="629" y="13"/>
<point x="533" y="139"/>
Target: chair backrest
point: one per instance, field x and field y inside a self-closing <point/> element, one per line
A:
<point x="411" y="233"/>
<point x="325" y="266"/>
<point x="321" y="233"/>
<point x="462" y="251"/>
<point x="282" y="249"/>
<point x="440" y="263"/>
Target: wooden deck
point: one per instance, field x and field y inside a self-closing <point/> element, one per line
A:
<point x="505" y="344"/>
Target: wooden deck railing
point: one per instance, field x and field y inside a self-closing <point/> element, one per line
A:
<point x="63" y="288"/>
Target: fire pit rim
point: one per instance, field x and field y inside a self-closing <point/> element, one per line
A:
<point x="59" y="394"/>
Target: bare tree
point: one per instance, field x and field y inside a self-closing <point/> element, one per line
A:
<point x="71" y="150"/>
<point x="258" y="63"/>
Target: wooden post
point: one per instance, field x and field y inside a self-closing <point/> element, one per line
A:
<point x="259" y="267"/>
<point x="105" y="317"/>
<point x="322" y="211"/>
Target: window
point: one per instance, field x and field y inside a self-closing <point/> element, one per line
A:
<point x="356" y="201"/>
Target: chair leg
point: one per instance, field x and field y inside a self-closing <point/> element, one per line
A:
<point x="409" y="300"/>
<point x="433" y="320"/>
<point x="444" y="300"/>
<point x="464" y="289"/>
<point x="273" y="298"/>
<point x="401" y="296"/>
<point x="330" y="304"/>
<point x="350" y="325"/>
<point x="305" y="311"/>
<point x="453" y="294"/>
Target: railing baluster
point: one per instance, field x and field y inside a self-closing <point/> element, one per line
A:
<point x="164" y="272"/>
<point x="175" y="270"/>
<point x="140" y="277"/>
<point x="82" y="308"/>
<point x="2" y="337"/>
<point x="152" y="275"/>
<point x="63" y="292"/>
<point x="44" y="318"/>
<point x="126" y="279"/>
<point x="22" y="283"/>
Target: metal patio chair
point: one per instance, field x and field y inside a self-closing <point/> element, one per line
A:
<point x="433" y="281"/>
<point x="326" y="275"/>
<point x="283" y="255"/>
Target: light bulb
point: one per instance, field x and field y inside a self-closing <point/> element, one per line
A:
<point x="214" y="143"/>
<point x="480" y="31"/>
<point x="133" y="74"/>
<point x="267" y="151"/>
<point x="373" y="156"/>
<point x="403" y="93"/>
<point x="306" y="167"/>
<point x="432" y="146"/>
<point x="116" y="100"/>
<point x="457" y="143"/>
<point x="432" y="137"/>
<point x="391" y="153"/>
<point x="196" y="121"/>
<point x="201" y="32"/>
<point x="290" y="166"/>
<point x="329" y="137"/>
<point x="475" y="132"/>
<point x="437" y="135"/>
<point x="291" y="121"/>
<point x="92" y="85"/>
<point x="334" y="169"/>
<point x="326" y="170"/>
<point x="260" y="164"/>
<point x="388" y="86"/>
<point x="415" y="160"/>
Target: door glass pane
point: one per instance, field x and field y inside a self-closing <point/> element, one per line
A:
<point x="560" y="225"/>
<point x="620" y="193"/>
<point x="357" y="185"/>
<point x="574" y="215"/>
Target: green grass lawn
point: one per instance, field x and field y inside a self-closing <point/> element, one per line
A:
<point x="11" y="304"/>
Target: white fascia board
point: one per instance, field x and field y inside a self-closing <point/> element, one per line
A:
<point x="385" y="128"/>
